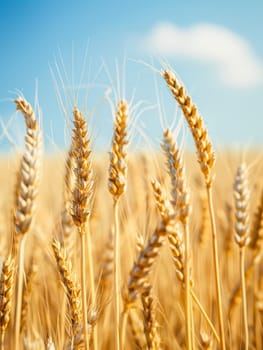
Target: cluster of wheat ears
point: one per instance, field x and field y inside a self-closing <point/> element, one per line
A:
<point x="155" y="263"/>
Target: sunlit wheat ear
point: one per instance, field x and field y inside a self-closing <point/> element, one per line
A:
<point x="72" y="288"/>
<point x="164" y="206"/>
<point x="117" y="184"/>
<point x="182" y="204"/>
<point x="6" y="294"/>
<point x="27" y="187"/>
<point x="143" y="265"/>
<point x="177" y="249"/>
<point x="83" y="186"/>
<point x="205" y="153"/>
<point x="175" y="239"/>
<point x="147" y="256"/>
<point x="180" y="195"/>
<point x="26" y="196"/>
<point x="81" y="205"/>
<point x="206" y="159"/>
<point x="118" y="156"/>
<point x="241" y="195"/>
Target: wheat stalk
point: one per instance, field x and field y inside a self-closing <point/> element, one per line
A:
<point x="254" y="242"/>
<point x="117" y="186"/>
<point x="26" y="195"/>
<point x="241" y="195"/>
<point x="181" y="203"/>
<point x="206" y="159"/>
<point x="81" y="197"/>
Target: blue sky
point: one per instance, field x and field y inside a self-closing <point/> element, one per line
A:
<point x="214" y="46"/>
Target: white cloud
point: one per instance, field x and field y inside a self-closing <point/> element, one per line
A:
<point x="231" y="55"/>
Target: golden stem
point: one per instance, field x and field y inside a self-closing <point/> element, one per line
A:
<point x="216" y="268"/>
<point x="187" y="288"/>
<point x="244" y="298"/>
<point x="116" y="274"/>
<point x="91" y="283"/>
<point x="19" y="291"/>
<point x="83" y="285"/>
<point x="203" y="312"/>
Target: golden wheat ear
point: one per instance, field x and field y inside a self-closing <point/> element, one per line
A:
<point x="206" y="159"/>
<point x="151" y="326"/>
<point x="118" y="156"/>
<point x="180" y="198"/>
<point x="81" y="206"/>
<point x="83" y="186"/>
<point x="72" y="287"/>
<point x="28" y="176"/>
<point x="205" y="153"/>
<point x="117" y="184"/>
<point x="26" y="192"/>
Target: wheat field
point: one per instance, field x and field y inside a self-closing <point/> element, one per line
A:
<point x="146" y="250"/>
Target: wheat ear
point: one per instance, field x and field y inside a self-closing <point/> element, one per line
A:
<point x="181" y="202"/>
<point x="206" y="159"/>
<point x="72" y="288"/>
<point x="195" y="122"/>
<point x="81" y="198"/>
<point x="138" y="277"/>
<point x="241" y="195"/>
<point x="255" y="239"/>
<point x="117" y="186"/>
<point x="151" y="325"/>
<point x="177" y="249"/>
<point x="146" y="258"/>
<point x="26" y="195"/>
<point x="6" y="294"/>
